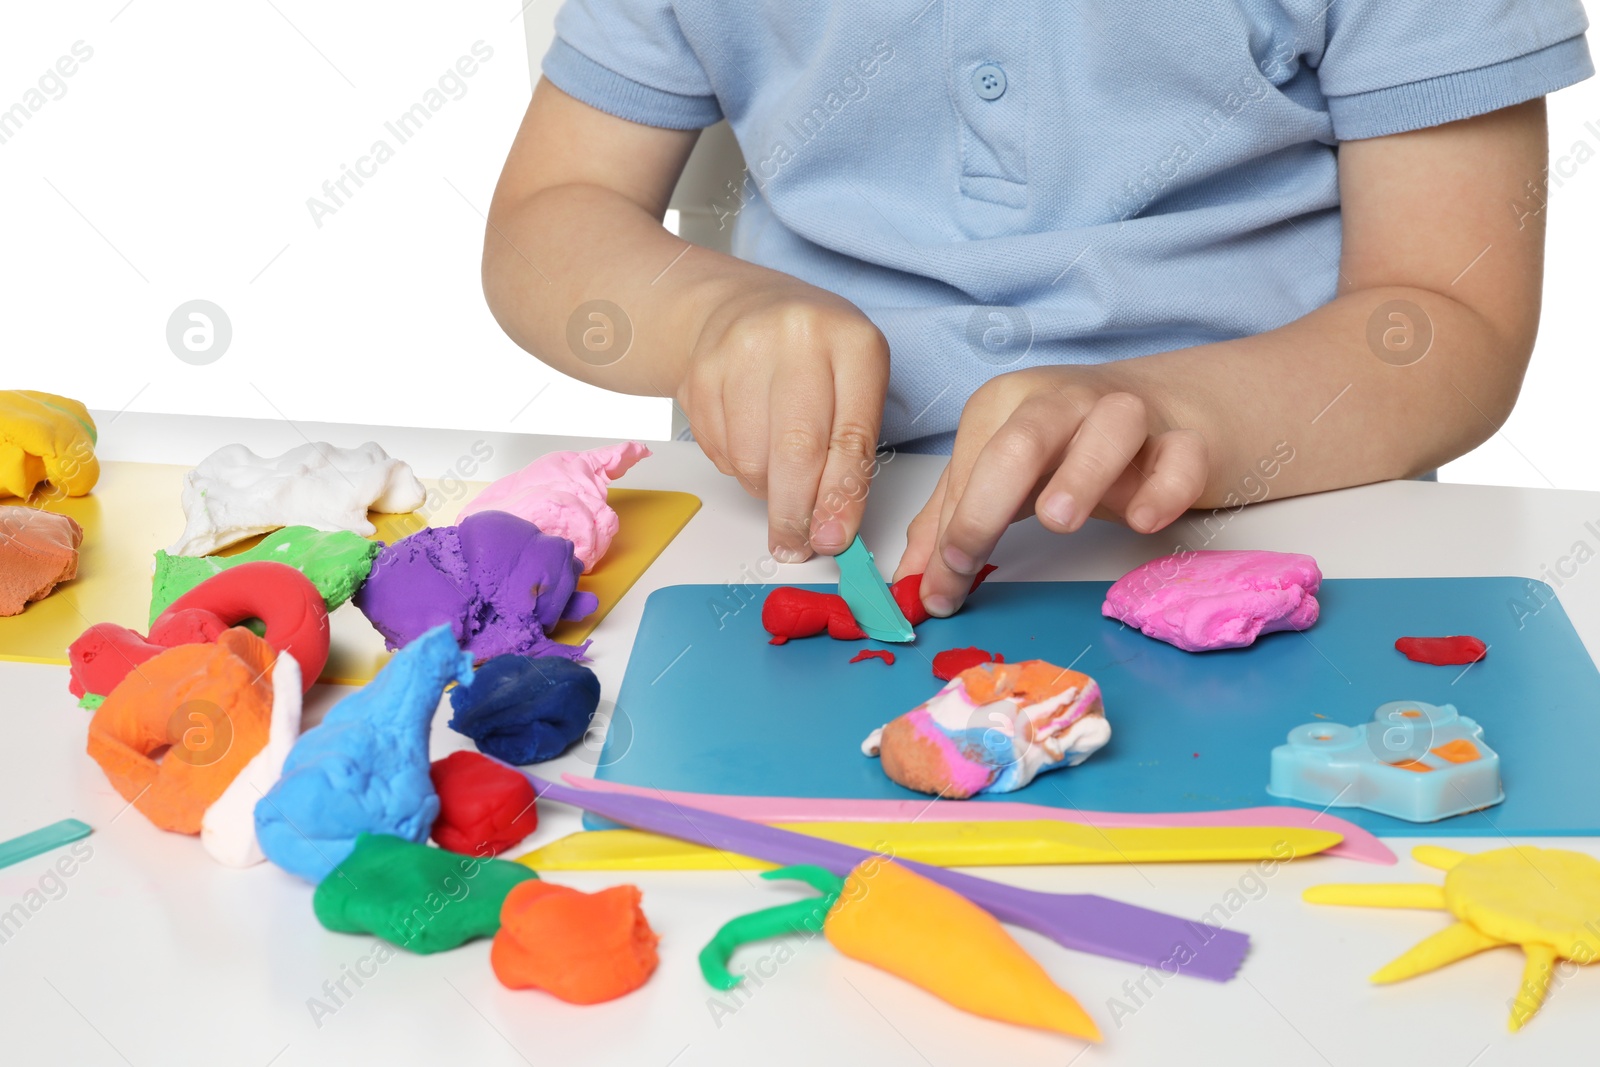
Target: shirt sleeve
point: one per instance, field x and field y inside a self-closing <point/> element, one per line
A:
<point x="630" y="58"/>
<point x="1389" y="66"/>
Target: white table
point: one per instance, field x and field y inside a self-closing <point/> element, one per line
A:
<point x="151" y="954"/>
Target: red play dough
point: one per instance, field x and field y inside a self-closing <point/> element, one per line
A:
<point x="874" y="653"/>
<point x="789" y="612"/>
<point x="484" y="807"/>
<point x="293" y="612"/>
<point x="1444" y="651"/>
<point x="952" y="661"/>
<point x="104" y="653"/>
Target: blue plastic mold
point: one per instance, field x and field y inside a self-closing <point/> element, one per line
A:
<point x="1414" y="761"/>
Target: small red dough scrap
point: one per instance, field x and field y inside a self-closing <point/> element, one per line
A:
<point x="1443" y="651"/>
<point x="952" y="661"/>
<point x="789" y="612"/>
<point x="485" y="807"/>
<point x="874" y="653"/>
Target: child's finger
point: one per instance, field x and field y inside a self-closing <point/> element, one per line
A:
<point x="746" y="416"/>
<point x="801" y="402"/>
<point x="858" y="386"/>
<point x="1111" y="435"/>
<point x="1002" y="479"/>
<point x="922" y="532"/>
<point x="1175" y="476"/>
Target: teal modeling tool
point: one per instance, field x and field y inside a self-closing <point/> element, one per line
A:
<point x="32" y="844"/>
<point x="864" y="589"/>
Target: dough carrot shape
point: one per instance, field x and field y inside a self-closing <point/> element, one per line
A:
<point x="914" y="928"/>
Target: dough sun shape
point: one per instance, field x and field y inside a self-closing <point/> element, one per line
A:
<point x="1545" y="900"/>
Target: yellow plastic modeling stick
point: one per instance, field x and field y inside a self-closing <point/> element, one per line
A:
<point x="1542" y="899"/>
<point x="950" y="844"/>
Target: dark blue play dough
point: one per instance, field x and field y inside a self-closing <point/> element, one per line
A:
<point x="525" y="709"/>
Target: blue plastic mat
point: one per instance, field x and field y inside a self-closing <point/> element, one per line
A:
<point x="708" y="706"/>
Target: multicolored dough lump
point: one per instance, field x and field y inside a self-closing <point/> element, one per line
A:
<point x="992" y="729"/>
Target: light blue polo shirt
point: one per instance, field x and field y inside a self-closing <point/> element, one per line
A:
<point x="1005" y="183"/>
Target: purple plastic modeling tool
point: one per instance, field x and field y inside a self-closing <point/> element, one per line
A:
<point x="1079" y="921"/>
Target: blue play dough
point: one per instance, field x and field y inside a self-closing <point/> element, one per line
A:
<point x="526" y="709"/>
<point x="365" y="768"/>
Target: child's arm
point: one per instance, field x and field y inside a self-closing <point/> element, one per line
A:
<point x="1448" y="219"/>
<point x="782" y="383"/>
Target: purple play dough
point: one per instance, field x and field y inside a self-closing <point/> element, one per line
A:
<point x="495" y="580"/>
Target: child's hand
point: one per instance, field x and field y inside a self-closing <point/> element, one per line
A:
<point x="784" y="390"/>
<point x="1060" y="442"/>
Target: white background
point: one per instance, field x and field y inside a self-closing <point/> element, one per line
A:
<point x="178" y="163"/>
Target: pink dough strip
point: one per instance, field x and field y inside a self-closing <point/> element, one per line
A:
<point x="1358" y="844"/>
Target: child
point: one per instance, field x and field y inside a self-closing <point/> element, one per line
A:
<point x="1117" y="259"/>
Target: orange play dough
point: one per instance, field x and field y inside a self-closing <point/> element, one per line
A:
<point x="581" y="947"/>
<point x="38" y="550"/>
<point x="933" y="937"/>
<point x="177" y="730"/>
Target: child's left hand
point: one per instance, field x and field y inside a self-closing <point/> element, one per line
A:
<point x="1064" y="443"/>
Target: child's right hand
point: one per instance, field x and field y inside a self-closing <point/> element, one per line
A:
<point x="784" y="390"/>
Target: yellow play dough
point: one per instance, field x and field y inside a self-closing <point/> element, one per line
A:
<point x="1545" y="900"/>
<point x="44" y="437"/>
<point x="1547" y="895"/>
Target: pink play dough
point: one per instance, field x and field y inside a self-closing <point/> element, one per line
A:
<point x="1205" y="600"/>
<point x="564" y="494"/>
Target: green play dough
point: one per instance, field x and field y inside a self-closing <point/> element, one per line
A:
<point x="90" y="701"/>
<point x="337" y="562"/>
<point x="418" y="897"/>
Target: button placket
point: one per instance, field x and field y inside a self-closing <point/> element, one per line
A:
<point x="987" y="81"/>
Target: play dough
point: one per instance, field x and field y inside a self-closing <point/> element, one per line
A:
<point x="183" y="725"/>
<point x="38" y="551"/>
<point x="564" y="494"/>
<point x="1199" y="601"/>
<point x="234" y="493"/>
<point x="335" y="561"/>
<point x="1544" y="900"/>
<point x="364" y="769"/>
<point x="992" y="728"/>
<point x="45" y="438"/>
<point x="284" y="600"/>
<point x="952" y="661"/>
<point x="484" y="807"/>
<point x="873" y="653"/>
<point x="526" y="709"/>
<point x="228" y="828"/>
<point x="790" y="612"/>
<point x="583" y="948"/>
<point x="1442" y="651"/>
<point x="420" y="898"/>
<point x="890" y="917"/>
<point x="498" y="582"/>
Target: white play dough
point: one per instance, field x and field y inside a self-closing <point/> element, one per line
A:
<point x="234" y="493"/>
<point x="228" y="827"/>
